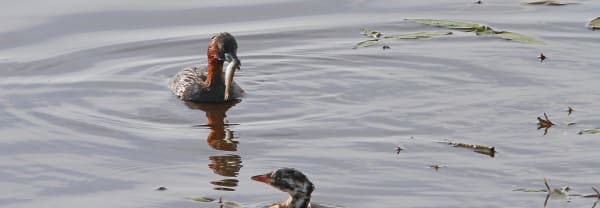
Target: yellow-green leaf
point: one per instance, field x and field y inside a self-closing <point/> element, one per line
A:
<point x="230" y="204"/>
<point x="370" y="33"/>
<point x="518" y="37"/>
<point x="419" y="35"/>
<point x="202" y="199"/>
<point x="590" y="131"/>
<point x="366" y="43"/>
<point x="594" y="24"/>
<point x="464" y="26"/>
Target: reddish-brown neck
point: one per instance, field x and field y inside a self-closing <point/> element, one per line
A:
<point x="215" y="67"/>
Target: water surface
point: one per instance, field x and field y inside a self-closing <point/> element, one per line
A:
<point x="87" y="119"/>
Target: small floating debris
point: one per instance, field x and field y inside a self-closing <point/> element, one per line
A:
<point x="399" y="148"/>
<point x="570" y="110"/>
<point x="594" y="24"/>
<point x="366" y="43"/>
<point x="370" y="33"/>
<point x="590" y="131"/>
<point x="561" y="193"/>
<point x="385" y="47"/>
<point x="482" y="149"/>
<point x="478" y="2"/>
<point x="162" y="188"/>
<point x="437" y="167"/>
<point x="544" y="123"/>
<point x="542" y="57"/>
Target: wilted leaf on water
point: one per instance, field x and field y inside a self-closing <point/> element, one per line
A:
<point x="464" y="26"/>
<point x="544" y="122"/>
<point x="370" y="33"/>
<point x="202" y="199"/>
<point x="231" y="204"/>
<point x="518" y="37"/>
<point x="366" y="43"/>
<point x="548" y="2"/>
<point x="419" y="35"/>
<point x="594" y="24"/>
<point x="590" y="131"/>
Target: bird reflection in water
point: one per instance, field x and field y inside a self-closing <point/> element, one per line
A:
<point x="221" y="137"/>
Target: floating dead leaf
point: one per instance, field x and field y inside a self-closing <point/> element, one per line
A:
<point x="366" y="43"/>
<point x="541" y="57"/>
<point x="572" y="124"/>
<point x="482" y="149"/>
<point x="549" y="3"/>
<point x="544" y="123"/>
<point x="594" y="24"/>
<point x="202" y="199"/>
<point x="370" y="33"/>
<point x="419" y="35"/>
<point x="590" y="131"/>
<point x="517" y="37"/>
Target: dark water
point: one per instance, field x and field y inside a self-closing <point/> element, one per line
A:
<point x="87" y="119"/>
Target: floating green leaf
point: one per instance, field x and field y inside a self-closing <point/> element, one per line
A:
<point x="202" y="199"/>
<point x="366" y="43"/>
<point x="419" y="35"/>
<point x="231" y="204"/>
<point x="548" y="3"/>
<point x="479" y="29"/>
<point x="530" y="190"/>
<point x="590" y="131"/>
<point x="518" y="37"/>
<point x="464" y="26"/>
<point x="594" y="24"/>
<point x="370" y="33"/>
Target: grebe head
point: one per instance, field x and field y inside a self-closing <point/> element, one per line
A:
<point x="223" y="47"/>
<point x="291" y="181"/>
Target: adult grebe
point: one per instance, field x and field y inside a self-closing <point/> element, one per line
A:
<point x="211" y="84"/>
<point x="289" y="180"/>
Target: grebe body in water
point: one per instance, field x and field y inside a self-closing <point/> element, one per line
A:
<point x="211" y="84"/>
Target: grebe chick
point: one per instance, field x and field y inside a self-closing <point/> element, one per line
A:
<point x="291" y="181"/>
<point x="211" y="84"/>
